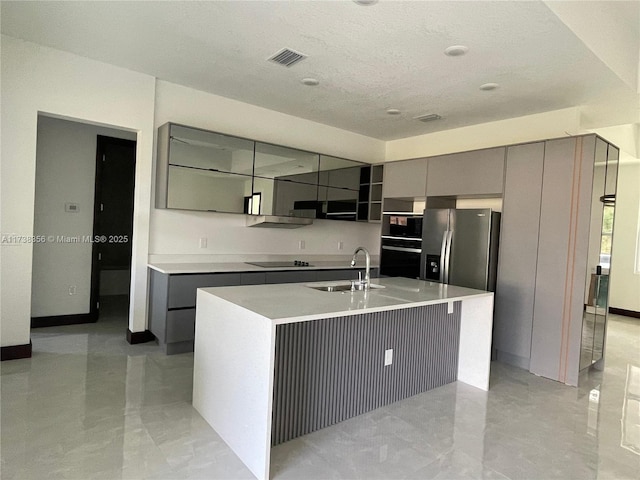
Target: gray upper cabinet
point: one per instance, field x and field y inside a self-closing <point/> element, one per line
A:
<point x="480" y="172"/>
<point x="286" y="179"/>
<point x="339" y="185"/>
<point x="212" y="151"/>
<point x="339" y="173"/>
<point x="275" y="161"/>
<point x="202" y="170"/>
<point x="292" y="198"/>
<point x="405" y="179"/>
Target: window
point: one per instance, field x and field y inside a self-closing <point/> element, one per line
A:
<point x="606" y="236"/>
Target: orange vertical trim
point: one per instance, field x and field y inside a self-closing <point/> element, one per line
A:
<point x="567" y="308"/>
<point x="573" y="261"/>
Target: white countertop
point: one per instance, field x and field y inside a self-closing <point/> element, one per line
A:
<point x="293" y="302"/>
<point x="230" y="267"/>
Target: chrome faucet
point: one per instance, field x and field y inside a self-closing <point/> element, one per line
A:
<point x="367" y="272"/>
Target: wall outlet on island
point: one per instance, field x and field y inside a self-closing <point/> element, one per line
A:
<point x="301" y="244"/>
<point x="340" y="245"/>
<point x="72" y="289"/>
<point x="203" y="242"/>
<point x="388" y="357"/>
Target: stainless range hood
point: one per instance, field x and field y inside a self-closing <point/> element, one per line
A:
<point x="274" y="221"/>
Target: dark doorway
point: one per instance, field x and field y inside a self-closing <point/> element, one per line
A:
<point x="113" y="219"/>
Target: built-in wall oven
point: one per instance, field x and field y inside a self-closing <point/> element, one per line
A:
<point x="401" y="244"/>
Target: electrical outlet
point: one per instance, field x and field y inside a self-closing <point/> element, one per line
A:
<point x="340" y="245"/>
<point x="203" y="242"/>
<point x="72" y="289"/>
<point x="301" y="244"/>
<point x="71" y="207"/>
<point x="388" y="357"/>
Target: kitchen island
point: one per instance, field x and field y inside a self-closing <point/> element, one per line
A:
<point x="273" y="362"/>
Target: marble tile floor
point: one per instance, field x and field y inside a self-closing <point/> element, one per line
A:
<point x="89" y="406"/>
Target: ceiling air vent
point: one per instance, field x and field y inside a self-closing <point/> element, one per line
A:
<point x="287" y="57"/>
<point x="428" y="117"/>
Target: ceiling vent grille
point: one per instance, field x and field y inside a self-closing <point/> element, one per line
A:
<point x="287" y="57"/>
<point x="428" y="117"/>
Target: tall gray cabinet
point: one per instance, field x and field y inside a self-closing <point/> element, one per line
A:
<point x="515" y="287"/>
<point x="544" y="266"/>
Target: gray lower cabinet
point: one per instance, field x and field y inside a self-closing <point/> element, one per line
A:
<point x="253" y="278"/>
<point x="291" y="277"/>
<point x="181" y="325"/>
<point x="347" y="274"/>
<point x="344" y="274"/>
<point x="172" y="306"/>
<point x="182" y="288"/>
<point x="172" y="298"/>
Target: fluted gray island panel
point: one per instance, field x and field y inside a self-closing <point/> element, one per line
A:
<point x="329" y="370"/>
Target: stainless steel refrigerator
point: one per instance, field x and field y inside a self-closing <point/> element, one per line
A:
<point x="460" y="247"/>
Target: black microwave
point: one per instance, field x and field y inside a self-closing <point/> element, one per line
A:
<point x="403" y="225"/>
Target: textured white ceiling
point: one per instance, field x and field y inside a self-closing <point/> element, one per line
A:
<point x="368" y="59"/>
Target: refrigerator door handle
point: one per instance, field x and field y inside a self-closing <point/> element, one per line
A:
<point x="447" y="255"/>
<point x="443" y="252"/>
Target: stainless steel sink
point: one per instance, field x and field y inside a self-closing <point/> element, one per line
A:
<point x="343" y="287"/>
<point x="333" y="288"/>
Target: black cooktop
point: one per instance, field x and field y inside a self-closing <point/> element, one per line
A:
<point x="292" y="263"/>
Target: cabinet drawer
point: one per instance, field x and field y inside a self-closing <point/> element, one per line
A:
<point x="181" y="325"/>
<point x="291" y="277"/>
<point x="346" y="274"/>
<point x="182" y="288"/>
<point x="253" y="278"/>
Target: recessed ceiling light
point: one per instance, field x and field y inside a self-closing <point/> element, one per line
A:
<point x="365" y="3"/>
<point x="489" y="86"/>
<point x="393" y="111"/>
<point x="312" y="82"/>
<point x="456" y="50"/>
